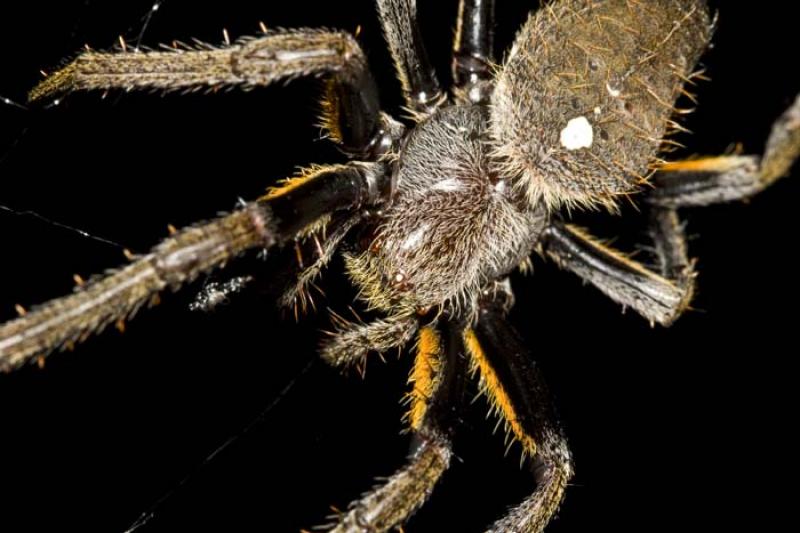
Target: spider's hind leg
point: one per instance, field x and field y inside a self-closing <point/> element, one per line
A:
<point x="439" y="378"/>
<point x="714" y="180"/>
<point x="658" y="298"/>
<point x="662" y="298"/>
<point x="517" y="392"/>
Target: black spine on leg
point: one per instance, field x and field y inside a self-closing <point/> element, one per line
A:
<point x="473" y="49"/>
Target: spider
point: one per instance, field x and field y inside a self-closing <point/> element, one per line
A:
<point x="459" y="320"/>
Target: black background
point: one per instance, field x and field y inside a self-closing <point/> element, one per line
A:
<point x="689" y="426"/>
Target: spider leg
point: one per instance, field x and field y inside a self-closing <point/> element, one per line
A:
<point x="728" y="178"/>
<point x="518" y="393"/>
<point x="439" y="392"/>
<point x="420" y="85"/>
<point x="658" y="298"/>
<point x="473" y="50"/>
<point x="273" y="219"/>
<point x="352" y="106"/>
<point x="292" y="275"/>
<point x="297" y="293"/>
<point x="352" y="342"/>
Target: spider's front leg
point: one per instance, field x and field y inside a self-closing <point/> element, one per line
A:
<point x="421" y="87"/>
<point x="274" y="219"/>
<point x="473" y="50"/>
<point x="517" y="392"/>
<point x="352" y="109"/>
<point x="439" y="378"/>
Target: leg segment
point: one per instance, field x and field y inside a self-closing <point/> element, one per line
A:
<point x="391" y="504"/>
<point x="728" y="178"/>
<point x="473" y="50"/>
<point x="420" y="85"/>
<point x="655" y="297"/>
<point x="291" y="270"/>
<point x="352" y="342"/>
<point x="178" y="260"/>
<point x="518" y="393"/>
<point x="297" y="294"/>
<point x="251" y="62"/>
<point x="671" y="249"/>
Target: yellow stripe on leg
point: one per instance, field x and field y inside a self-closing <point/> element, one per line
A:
<point x="499" y="400"/>
<point x="717" y="164"/>
<point x="424" y="375"/>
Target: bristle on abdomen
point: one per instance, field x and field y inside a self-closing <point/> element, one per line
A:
<point x="584" y="99"/>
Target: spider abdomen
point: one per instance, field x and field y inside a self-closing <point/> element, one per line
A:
<point x="582" y="103"/>
<point x="453" y="224"/>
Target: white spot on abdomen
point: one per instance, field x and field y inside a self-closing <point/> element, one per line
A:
<point x="577" y="134"/>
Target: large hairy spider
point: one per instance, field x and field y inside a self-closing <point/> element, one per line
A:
<point x="436" y="214"/>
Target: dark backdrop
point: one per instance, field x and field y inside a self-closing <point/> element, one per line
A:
<point x="671" y="428"/>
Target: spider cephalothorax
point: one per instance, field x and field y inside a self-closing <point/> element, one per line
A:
<point x="445" y="207"/>
<point x="453" y="224"/>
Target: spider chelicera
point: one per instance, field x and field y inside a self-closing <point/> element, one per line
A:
<point x="445" y="209"/>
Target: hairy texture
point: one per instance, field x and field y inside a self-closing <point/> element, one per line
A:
<point x="452" y="226"/>
<point x="533" y="514"/>
<point x="248" y="63"/>
<point x="424" y="376"/>
<point x="297" y="294"/>
<point x="119" y="294"/>
<point x="615" y="67"/>
<point x="392" y="503"/>
<point x="352" y="342"/>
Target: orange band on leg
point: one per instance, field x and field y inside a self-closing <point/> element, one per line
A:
<point x="423" y="375"/>
<point x="498" y="398"/>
